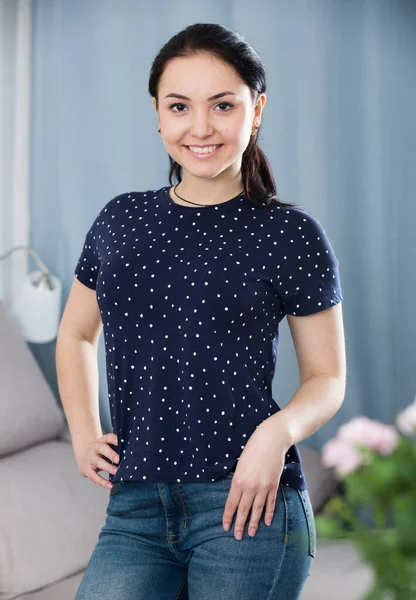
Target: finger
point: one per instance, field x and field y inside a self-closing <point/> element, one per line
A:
<point x="256" y="511"/>
<point x="95" y="478"/>
<point x="104" y="449"/>
<point x="104" y="465"/>
<point x="231" y="505"/>
<point x="110" y="438"/>
<point x="243" y="510"/>
<point x="270" y="505"/>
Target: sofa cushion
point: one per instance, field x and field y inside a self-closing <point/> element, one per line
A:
<point x="50" y="517"/>
<point x="29" y="412"/>
<point x="64" y="589"/>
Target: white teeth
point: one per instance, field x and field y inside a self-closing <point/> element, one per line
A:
<point x="206" y="150"/>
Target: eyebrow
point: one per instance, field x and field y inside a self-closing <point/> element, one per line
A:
<point x="215" y="97"/>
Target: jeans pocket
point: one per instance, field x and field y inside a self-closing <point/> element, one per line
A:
<point x="310" y="519"/>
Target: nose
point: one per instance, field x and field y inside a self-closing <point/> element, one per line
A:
<point x="201" y="127"/>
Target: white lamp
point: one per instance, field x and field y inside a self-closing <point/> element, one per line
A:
<point x="37" y="308"/>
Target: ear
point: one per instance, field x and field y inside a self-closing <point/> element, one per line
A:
<point x="154" y="103"/>
<point x="261" y="101"/>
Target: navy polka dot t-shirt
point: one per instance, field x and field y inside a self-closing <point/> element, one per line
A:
<point x="191" y="299"/>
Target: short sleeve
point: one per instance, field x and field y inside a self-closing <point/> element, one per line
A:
<point x="308" y="273"/>
<point x="88" y="265"/>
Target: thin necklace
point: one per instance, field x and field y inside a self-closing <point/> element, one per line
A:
<point x="196" y="204"/>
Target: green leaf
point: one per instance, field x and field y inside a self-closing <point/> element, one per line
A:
<point x="327" y="527"/>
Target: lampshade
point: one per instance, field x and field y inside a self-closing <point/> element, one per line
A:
<point x="36" y="310"/>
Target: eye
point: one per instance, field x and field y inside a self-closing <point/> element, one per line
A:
<point x="180" y="104"/>
<point x="176" y="104"/>
<point x="226" y="103"/>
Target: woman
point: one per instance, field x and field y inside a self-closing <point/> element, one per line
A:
<point x="190" y="282"/>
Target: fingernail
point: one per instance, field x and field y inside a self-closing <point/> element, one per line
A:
<point x="226" y="526"/>
<point x="252" y="531"/>
<point x="109" y="485"/>
<point x="268" y="522"/>
<point x="239" y="535"/>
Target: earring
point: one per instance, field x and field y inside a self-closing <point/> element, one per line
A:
<point x="159" y="130"/>
<point x="254" y="132"/>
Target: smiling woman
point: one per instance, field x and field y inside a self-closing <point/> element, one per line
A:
<point x="192" y="284"/>
<point x="203" y="58"/>
<point x="205" y="134"/>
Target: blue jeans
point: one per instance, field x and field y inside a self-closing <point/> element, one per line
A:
<point x="165" y="541"/>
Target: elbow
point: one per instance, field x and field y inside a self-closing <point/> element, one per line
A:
<point x="336" y="383"/>
<point x="340" y="384"/>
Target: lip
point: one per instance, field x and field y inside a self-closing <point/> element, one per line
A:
<point x="202" y="156"/>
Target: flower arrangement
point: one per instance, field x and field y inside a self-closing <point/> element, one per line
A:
<point x="376" y="508"/>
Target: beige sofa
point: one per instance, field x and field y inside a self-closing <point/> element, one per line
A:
<point x="50" y="516"/>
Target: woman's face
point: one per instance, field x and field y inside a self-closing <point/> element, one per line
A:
<point x="198" y="120"/>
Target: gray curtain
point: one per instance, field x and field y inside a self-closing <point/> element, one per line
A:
<point x="339" y="130"/>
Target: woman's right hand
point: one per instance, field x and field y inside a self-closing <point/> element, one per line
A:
<point x="90" y="459"/>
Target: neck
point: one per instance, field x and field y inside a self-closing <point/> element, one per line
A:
<point x="209" y="191"/>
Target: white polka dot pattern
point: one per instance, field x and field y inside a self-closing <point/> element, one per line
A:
<point x="191" y="299"/>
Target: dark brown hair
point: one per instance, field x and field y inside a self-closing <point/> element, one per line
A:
<point x="231" y="48"/>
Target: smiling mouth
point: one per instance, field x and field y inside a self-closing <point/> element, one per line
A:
<point x="202" y="153"/>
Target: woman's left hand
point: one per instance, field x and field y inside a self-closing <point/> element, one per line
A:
<point x="256" y="479"/>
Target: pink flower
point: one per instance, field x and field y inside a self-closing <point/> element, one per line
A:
<point x="406" y="420"/>
<point x="362" y="431"/>
<point x="341" y="455"/>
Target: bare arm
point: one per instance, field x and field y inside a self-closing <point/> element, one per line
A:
<point x="77" y="365"/>
<point x="320" y="349"/>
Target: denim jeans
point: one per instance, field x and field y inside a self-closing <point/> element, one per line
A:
<point x="165" y="541"/>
